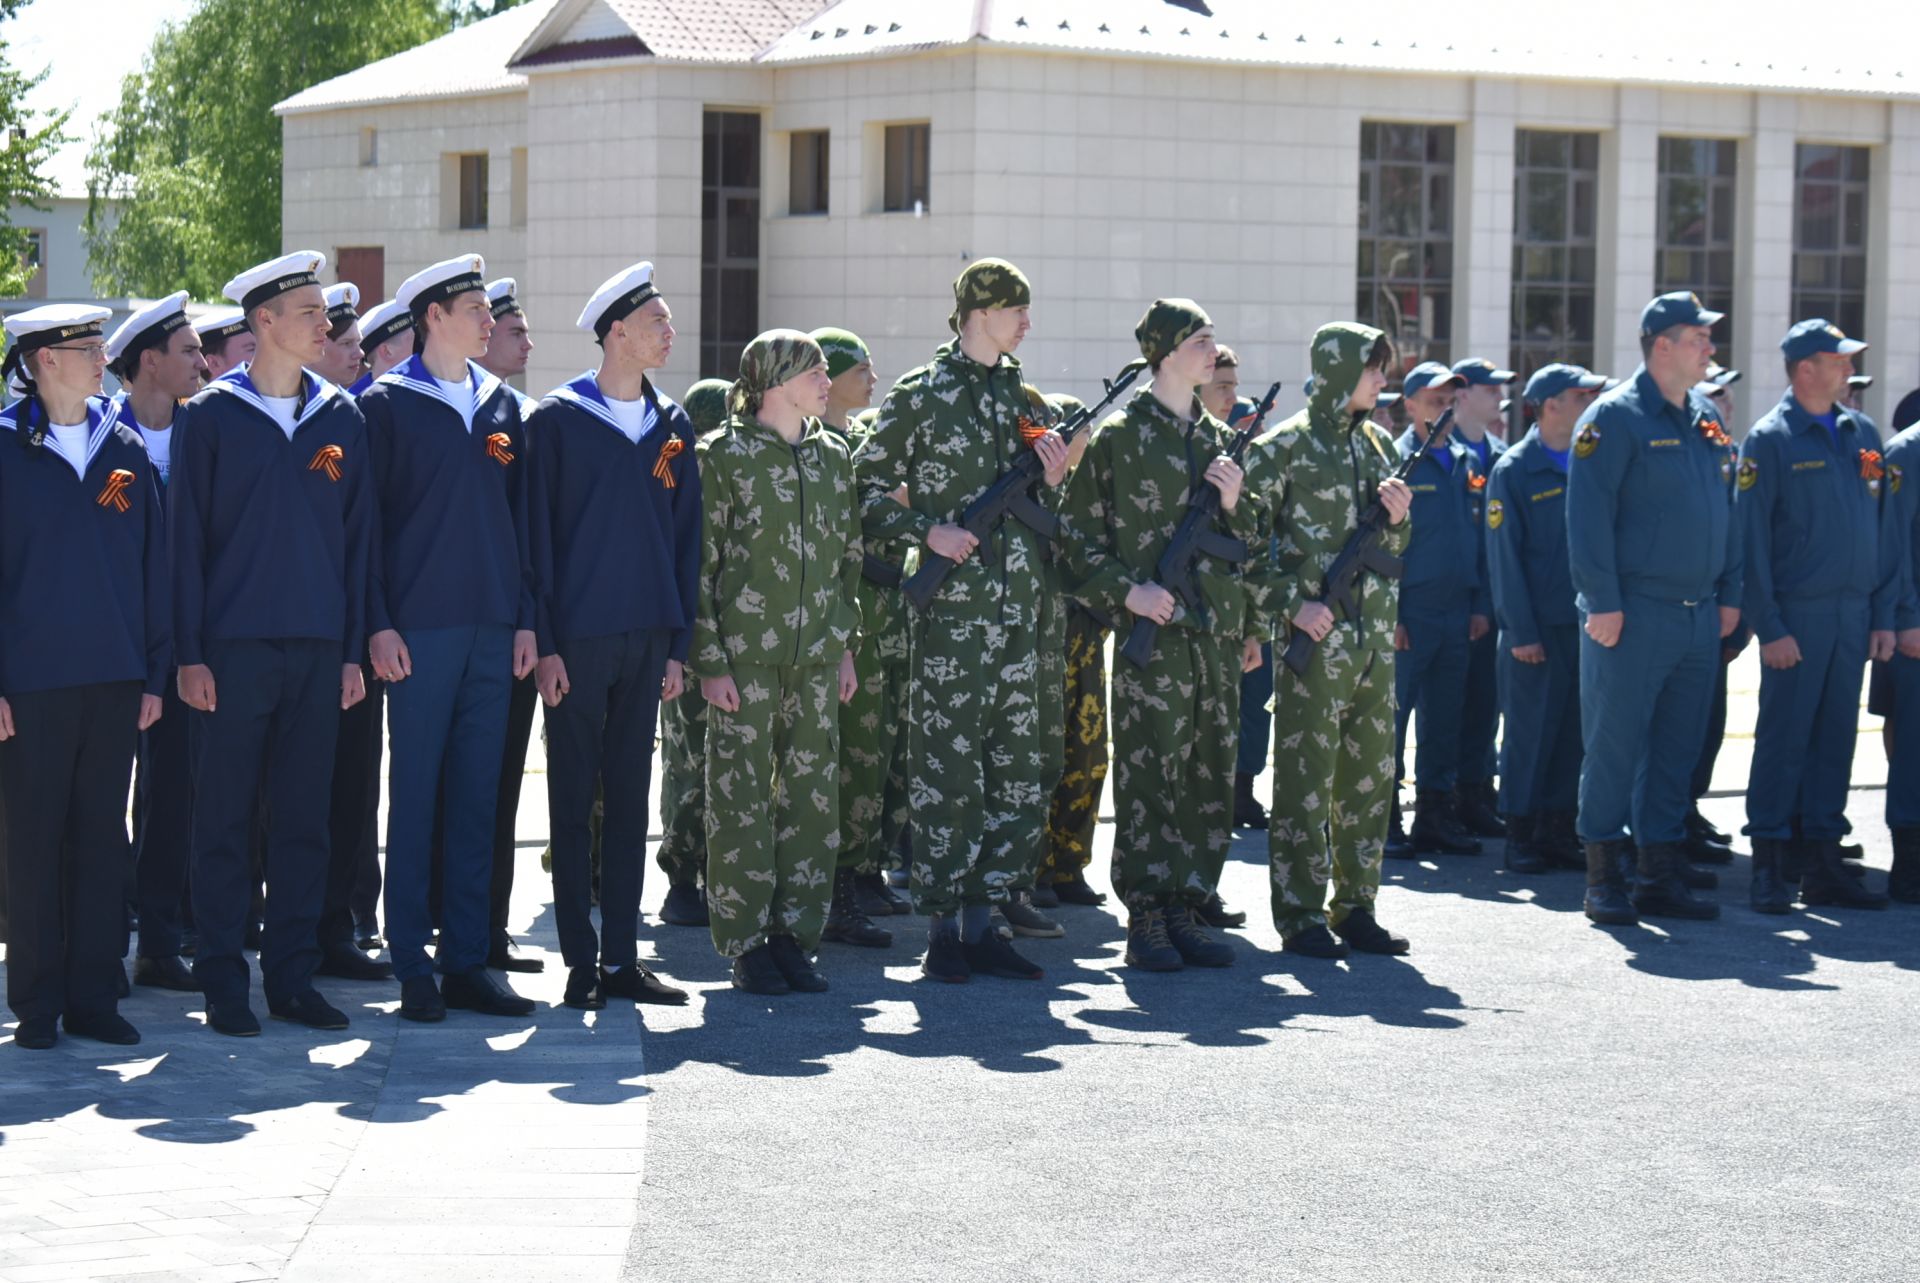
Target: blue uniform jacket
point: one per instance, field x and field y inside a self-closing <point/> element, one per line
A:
<point x="1445" y="569"/>
<point x="451" y="547"/>
<point x="1899" y="531"/>
<point x="1649" y="511"/>
<point x="84" y="596"/>
<point x="270" y="537"/>
<point x="132" y="424"/>
<point x="615" y="524"/>
<point x="1810" y="519"/>
<point x="1527" y="544"/>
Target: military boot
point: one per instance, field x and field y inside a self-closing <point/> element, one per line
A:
<point x="1435" y="830"/>
<point x="1903" y="884"/>
<point x="1705" y="843"/>
<point x="1473" y="808"/>
<point x="1188" y="934"/>
<point x="846" y="924"/>
<point x="1607" y="901"/>
<point x="1561" y="841"/>
<point x="1398" y="848"/>
<point x="1247" y="811"/>
<point x="1525" y="853"/>
<point x="1829" y="879"/>
<point x="1660" y="888"/>
<point x="1148" y="945"/>
<point x="1770" y="892"/>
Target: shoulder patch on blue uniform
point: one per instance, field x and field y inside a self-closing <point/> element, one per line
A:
<point x="1587" y="441"/>
<point x="1496" y="513"/>
<point x="1749" y="473"/>
<point x="1893" y="478"/>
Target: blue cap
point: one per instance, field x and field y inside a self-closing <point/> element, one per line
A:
<point x="1550" y="381"/>
<point x="1478" y="370"/>
<point x="1677" y="308"/>
<point x="1812" y="337"/>
<point x="1426" y="374"/>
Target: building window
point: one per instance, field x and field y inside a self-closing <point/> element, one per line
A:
<point x="34" y="259"/>
<point x="1556" y="179"/>
<point x="1830" y="235"/>
<point x="807" y="172"/>
<point x="729" y="240"/>
<point x="905" y="187"/>
<point x="1696" y="229"/>
<point x="1405" y="282"/>
<point x="369" y="146"/>
<point x="473" y="190"/>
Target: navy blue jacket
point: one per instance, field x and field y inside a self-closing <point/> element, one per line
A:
<point x="1649" y="511"/>
<point x="1900" y="531"/>
<point x="615" y="547"/>
<point x="1444" y="556"/>
<point x="270" y="536"/>
<point x="451" y="549"/>
<point x="1527" y="544"/>
<point x="84" y="596"/>
<point x="1810" y="519"/>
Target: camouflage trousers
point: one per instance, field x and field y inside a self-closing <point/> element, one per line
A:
<point x="1075" y="810"/>
<point x="683" y="787"/>
<point x="976" y="761"/>
<point x="1053" y="746"/>
<point x="1332" y="786"/>
<point x="873" y="761"/>
<point x="773" y="807"/>
<point x="1176" y="727"/>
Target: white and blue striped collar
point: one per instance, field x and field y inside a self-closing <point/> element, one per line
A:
<point x="318" y="392"/>
<point x="413" y="375"/>
<point x="123" y="413"/>
<point x="584" y="392"/>
<point x="102" y="416"/>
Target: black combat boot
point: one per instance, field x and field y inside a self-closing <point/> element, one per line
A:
<point x="1215" y="913"/>
<point x="1770" y="893"/>
<point x="1607" y="901"/>
<point x="1525" y="851"/>
<point x="1660" y="888"/>
<point x="1398" y="848"/>
<point x="1435" y="830"/>
<point x="1473" y="807"/>
<point x="1561" y="842"/>
<point x="1187" y="932"/>
<point x="1829" y="879"/>
<point x="1148" y="945"/>
<point x="846" y="924"/>
<point x="1705" y="843"/>
<point x="1903" y="884"/>
<point x="1247" y="811"/>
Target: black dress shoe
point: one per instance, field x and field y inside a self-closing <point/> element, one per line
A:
<point x="990" y="955"/>
<point x="165" y="973"/>
<point x="754" y="972"/>
<point x="1315" y="942"/>
<point x="501" y="957"/>
<point x="1215" y="913"/>
<point x="101" y="1026"/>
<point x="420" y="1000"/>
<point x="945" y="959"/>
<point x="37" y="1033"/>
<point x="367" y="935"/>
<point x="583" y="989"/>
<point x="1363" y="932"/>
<point x="234" y="1019"/>
<point x="308" y="1009"/>
<point x="636" y="984"/>
<point x="477" y="991"/>
<point x="1076" y="890"/>
<point x="344" y="962"/>
<point x="685" y="906"/>
<point x="795" y="967"/>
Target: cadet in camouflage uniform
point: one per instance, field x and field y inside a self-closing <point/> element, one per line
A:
<point x="947" y="430"/>
<point x="1333" y="728"/>
<point x="1176" y="722"/>
<point x="775" y="627"/>
<point x="683" y="742"/>
<point x="1076" y="799"/>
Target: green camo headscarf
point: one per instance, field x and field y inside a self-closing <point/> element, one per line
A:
<point x="1167" y="324"/>
<point x="706" y="404"/>
<point x="843" y="348"/>
<point x="769" y="361"/>
<point x="986" y="284"/>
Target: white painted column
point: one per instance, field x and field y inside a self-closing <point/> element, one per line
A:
<point x="1483" y="225"/>
<point x="1763" y="258"/>
<point x="1893" y="264"/>
<point x="1629" y="205"/>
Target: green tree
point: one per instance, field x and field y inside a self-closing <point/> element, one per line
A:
<point x="30" y="139"/>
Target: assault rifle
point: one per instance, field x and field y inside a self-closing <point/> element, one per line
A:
<point x="1194" y="536"/>
<point x="1362" y="554"/>
<point x="1011" y="494"/>
<point x="878" y="570"/>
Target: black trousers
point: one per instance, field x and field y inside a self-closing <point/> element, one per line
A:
<point x="65" y="771"/>
<point x="163" y="827"/>
<point x="353" y="822"/>
<point x="604" y="728"/>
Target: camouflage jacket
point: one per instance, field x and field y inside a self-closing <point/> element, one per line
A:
<point x="1312" y="476"/>
<point x="883" y="611"/>
<point x="948" y="429"/>
<point x="1126" y="499"/>
<point x="780" y="560"/>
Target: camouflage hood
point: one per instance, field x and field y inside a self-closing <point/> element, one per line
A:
<point x="1339" y="352"/>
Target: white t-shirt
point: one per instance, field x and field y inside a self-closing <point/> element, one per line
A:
<point x="159" y="448"/>
<point x="461" y="394"/>
<point x="283" y="408"/>
<point x="70" y="439"/>
<point x="631" y="416"/>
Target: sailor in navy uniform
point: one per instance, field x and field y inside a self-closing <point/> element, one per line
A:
<point x="84" y="652"/>
<point x="616" y="544"/>
<point x="270" y="507"/>
<point x="386" y="340"/>
<point x="226" y="341"/>
<point x="450" y="606"/>
<point x="340" y="360"/>
<point x="156" y="355"/>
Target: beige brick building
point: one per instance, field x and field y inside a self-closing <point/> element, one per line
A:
<point x="1503" y="179"/>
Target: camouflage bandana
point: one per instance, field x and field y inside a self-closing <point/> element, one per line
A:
<point x="706" y="404"/>
<point x="987" y="284"/>
<point x="1167" y="324"/>
<point x="769" y="361"/>
<point x="843" y="348"/>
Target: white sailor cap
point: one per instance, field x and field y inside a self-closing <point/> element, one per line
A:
<point x="151" y="326"/>
<point x="39" y="327"/>
<point x="271" y="279"/>
<point x="383" y="324"/>
<point x="220" y="325"/>
<point x="616" y="299"/>
<point x="501" y="296"/>
<point x="343" y="303"/>
<point x="441" y="282"/>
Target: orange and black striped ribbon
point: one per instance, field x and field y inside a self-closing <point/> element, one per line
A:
<point x="327" y="459"/>
<point x="670" y="450"/>
<point x="497" y="448"/>
<point x="114" y="493"/>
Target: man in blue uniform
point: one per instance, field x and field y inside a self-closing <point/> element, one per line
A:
<point x="270" y="512"/>
<point x="1477" y="418"/>
<point x="1539" y="626"/>
<point x="450" y="614"/>
<point x="156" y="356"/>
<point x="226" y="341"/>
<point x="1443" y="606"/>
<point x="615" y="526"/>
<point x="1896" y="683"/>
<point x="82" y="662"/>
<point x="386" y="340"/>
<point x="1707" y="844"/>
<point x="341" y="359"/>
<point x="1656" y="564"/>
<point x="1820" y="597"/>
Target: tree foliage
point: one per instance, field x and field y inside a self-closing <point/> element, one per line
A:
<point x="28" y="140"/>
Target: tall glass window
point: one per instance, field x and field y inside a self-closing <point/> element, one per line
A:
<point x="1696" y="228"/>
<point x="729" y="240"/>
<point x="1830" y="235"/>
<point x="1405" y="284"/>
<point x="1556" y="178"/>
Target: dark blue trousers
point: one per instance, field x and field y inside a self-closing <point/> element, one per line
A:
<point x="1256" y="722"/>
<point x="354" y="814"/>
<point x="1432" y="678"/>
<point x="1897" y="687"/>
<point x="1809" y="721"/>
<point x="1540" y="756"/>
<point x="450" y="715"/>
<point x="1480" y="711"/>
<point x="163" y="826"/>
<point x="1643" y="709"/>
<point x="276" y="713"/>
<point x="603" y="729"/>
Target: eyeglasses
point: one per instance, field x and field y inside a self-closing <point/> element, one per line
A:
<point x="93" y="351"/>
